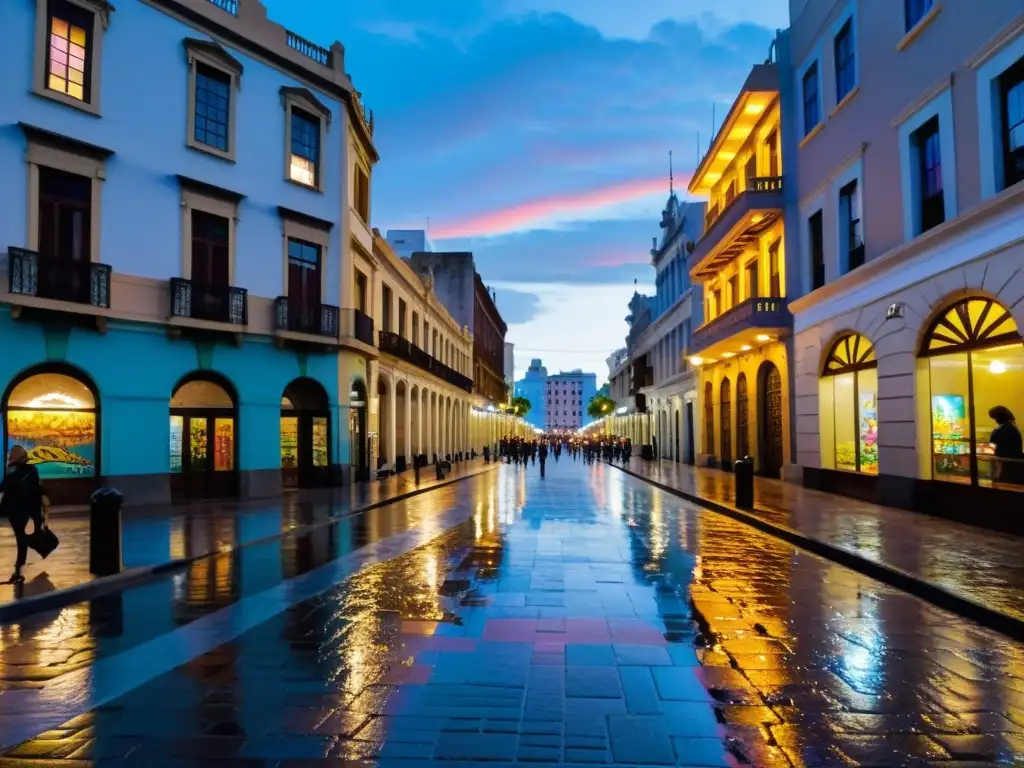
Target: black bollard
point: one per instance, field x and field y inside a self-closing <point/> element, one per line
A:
<point x="744" y="472"/>
<point x="105" y="531"/>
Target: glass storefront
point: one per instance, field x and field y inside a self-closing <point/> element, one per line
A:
<point x="975" y="363"/>
<point x="848" y="407"/>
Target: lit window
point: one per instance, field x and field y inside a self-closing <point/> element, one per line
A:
<point x="305" y="149"/>
<point x="848" y="407"/>
<point x="68" y="52"/>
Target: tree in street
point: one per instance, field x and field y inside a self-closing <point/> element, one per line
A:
<point x="599" y="406"/>
<point x="519" y="406"/>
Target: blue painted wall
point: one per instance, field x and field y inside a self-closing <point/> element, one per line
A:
<point x="144" y="102"/>
<point x="135" y="368"/>
<point x="144" y="97"/>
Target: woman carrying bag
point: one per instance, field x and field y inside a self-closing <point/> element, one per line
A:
<point x="22" y="501"/>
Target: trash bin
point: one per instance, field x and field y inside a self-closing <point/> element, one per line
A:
<point x="105" y="531"/>
<point x="743" y="469"/>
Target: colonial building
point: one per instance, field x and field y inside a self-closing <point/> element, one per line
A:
<point x="457" y="285"/>
<point x="740" y="348"/>
<point x="423" y="390"/>
<point x="175" y="267"/>
<point x="910" y="203"/>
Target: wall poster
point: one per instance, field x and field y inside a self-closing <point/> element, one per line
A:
<point x="320" y="448"/>
<point x="289" y="442"/>
<point x="177" y="431"/>
<point x="59" y="443"/>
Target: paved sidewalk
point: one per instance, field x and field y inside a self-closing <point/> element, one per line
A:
<point x="162" y="535"/>
<point x="983" y="567"/>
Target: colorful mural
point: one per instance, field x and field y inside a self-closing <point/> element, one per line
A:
<point x="59" y="443"/>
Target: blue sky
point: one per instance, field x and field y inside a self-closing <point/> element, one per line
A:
<point x="536" y="134"/>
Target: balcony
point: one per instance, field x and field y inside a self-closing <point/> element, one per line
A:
<point x="357" y="331"/>
<point x="737" y="226"/>
<point x="214" y="308"/>
<point x="40" y="282"/>
<point x="403" y="349"/>
<point x="752" y="322"/>
<point x="317" y="324"/>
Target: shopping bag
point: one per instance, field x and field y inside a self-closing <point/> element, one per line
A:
<point x="43" y="541"/>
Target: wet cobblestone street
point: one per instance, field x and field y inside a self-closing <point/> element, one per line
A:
<point x="581" y="618"/>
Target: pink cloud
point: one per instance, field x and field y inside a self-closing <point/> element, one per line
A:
<point x="523" y="215"/>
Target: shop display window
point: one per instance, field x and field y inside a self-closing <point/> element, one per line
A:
<point x="53" y="416"/>
<point x="848" y="407"/>
<point x="975" y="362"/>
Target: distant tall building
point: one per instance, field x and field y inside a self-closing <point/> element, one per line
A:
<point x="533" y="386"/>
<point x="406" y="242"/>
<point x="510" y="366"/>
<point x="567" y="394"/>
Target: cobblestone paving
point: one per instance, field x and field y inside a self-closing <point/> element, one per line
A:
<point x="583" y="618"/>
<point x="156" y="536"/>
<point x="980" y="565"/>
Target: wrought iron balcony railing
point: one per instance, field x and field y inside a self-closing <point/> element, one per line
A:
<point x="213" y="303"/>
<point x="357" y="325"/>
<point x="404" y="349"/>
<point x="316" y="319"/>
<point x="47" y="277"/>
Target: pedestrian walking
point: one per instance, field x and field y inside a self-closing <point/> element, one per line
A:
<point x="22" y="501"/>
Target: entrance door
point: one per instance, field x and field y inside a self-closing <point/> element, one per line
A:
<point x="203" y="455"/>
<point x="204" y="440"/>
<point x="770" y="413"/>
<point x="305" y="435"/>
<point x="358" y="448"/>
<point x="689" y="433"/>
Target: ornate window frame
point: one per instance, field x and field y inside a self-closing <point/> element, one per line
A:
<point x="305" y="100"/>
<point x="101" y="11"/>
<point x="199" y="196"/>
<point x="211" y="54"/>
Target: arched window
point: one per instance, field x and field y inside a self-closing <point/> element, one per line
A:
<point x="742" y="418"/>
<point x="709" y="419"/>
<point x="52" y="414"/>
<point x="725" y="409"/>
<point x="848" y="406"/>
<point x="975" y="362"/>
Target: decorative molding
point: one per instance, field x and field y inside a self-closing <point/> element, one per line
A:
<point x="101" y="8"/>
<point x="917" y="29"/>
<point x="212" y="50"/>
<point x="944" y="82"/>
<point x="305" y="218"/>
<point x="68" y="144"/>
<point x="210" y="190"/>
<point x="996" y="43"/>
<point x="305" y="99"/>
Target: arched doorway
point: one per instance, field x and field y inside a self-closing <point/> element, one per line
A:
<point x="848" y="406"/>
<point x="975" y="362"/>
<point x="742" y="417"/>
<point x="709" y="419"/>
<point x="725" y="421"/>
<point x="383" y="422"/>
<point x="358" y="453"/>
<point x="769" y="410"/>
<point x="305" y="434"/>
<point x="204" y="439"/>
<point x="52" y="411"/>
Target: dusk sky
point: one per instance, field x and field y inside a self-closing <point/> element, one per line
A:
<point x="536" y="133"/>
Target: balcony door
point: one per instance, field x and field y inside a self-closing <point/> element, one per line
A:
<point x="304" y="286"/>
<point x="211" y="238"/>
<point x="771" y="146"/>
<point x="65" y="215"/>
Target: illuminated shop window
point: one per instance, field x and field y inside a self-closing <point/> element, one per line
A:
<point x="975" y="366"/>
<point x="848" y="406"/>
<point x="53" y="416"/>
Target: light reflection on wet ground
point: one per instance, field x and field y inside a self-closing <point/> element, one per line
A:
<point x="585" y="617"/>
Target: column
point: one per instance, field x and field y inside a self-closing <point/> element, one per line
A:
<point x="407" y="447"/>
<point x="428" y="441"/>
<point x="392" y="419"/>
<point x="419" y="421"/>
